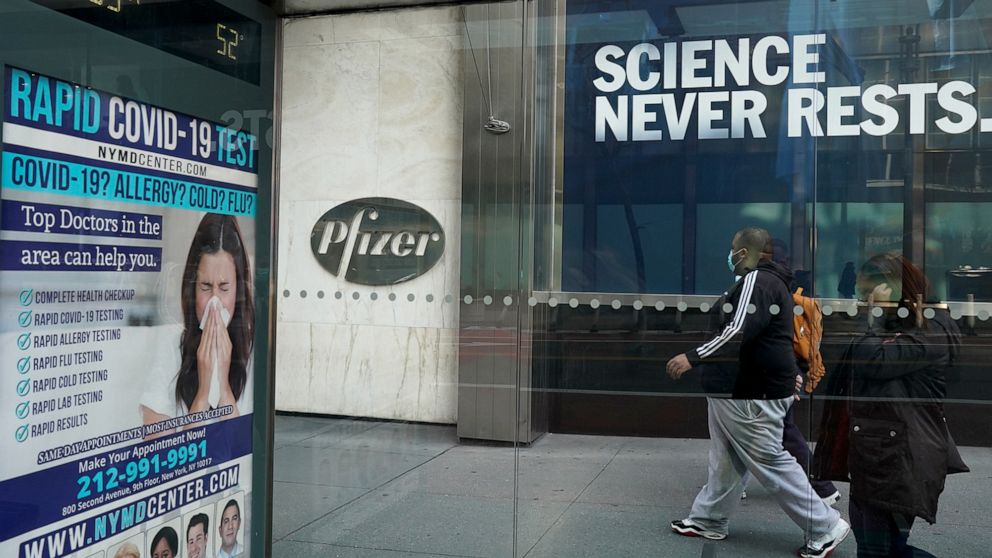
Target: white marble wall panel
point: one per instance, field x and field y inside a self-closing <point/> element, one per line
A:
<point x="420" y="115"/>
<point x="294" y="360"/>
<point x="330" y="121"/>
<point x="437" y="22"/>
<point x="360" y="27"/>
<point x="372" y="371"/>
<point x="372" y="106"/>
<point x="308" y="31"/>
<point x="357" y="28"/>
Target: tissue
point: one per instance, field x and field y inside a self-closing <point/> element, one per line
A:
<point x="213" y="396"/>
<point x="224" y="314"/>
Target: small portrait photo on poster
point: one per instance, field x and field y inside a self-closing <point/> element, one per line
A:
<point x="199" y="537"/>
<point x="130" y="548"/>
<point x="230" y="535"/>
<point x="163" y="539"/>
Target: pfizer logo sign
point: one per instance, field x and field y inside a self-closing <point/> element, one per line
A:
<point x="377" y="241"/>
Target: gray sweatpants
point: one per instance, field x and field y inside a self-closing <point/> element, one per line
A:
<point x="746" y="435"/>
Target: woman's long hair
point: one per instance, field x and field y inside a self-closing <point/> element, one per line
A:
<point x="908" y="283"/>
<point x="216" y="233"/>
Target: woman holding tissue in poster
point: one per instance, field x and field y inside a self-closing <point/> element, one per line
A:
<point x="218" y="324"/>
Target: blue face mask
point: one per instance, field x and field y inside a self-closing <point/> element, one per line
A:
<point x="730" y="261"/>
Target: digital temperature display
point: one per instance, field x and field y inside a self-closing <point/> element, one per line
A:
<point x="201" y="31"/>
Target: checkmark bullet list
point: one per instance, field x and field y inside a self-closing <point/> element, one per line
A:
<point x="23" y="410"/>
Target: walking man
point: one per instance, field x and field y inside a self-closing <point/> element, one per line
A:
<point x="746" y="430"/>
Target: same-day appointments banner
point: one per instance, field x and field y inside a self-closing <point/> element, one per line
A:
<point x="127" y="242"/>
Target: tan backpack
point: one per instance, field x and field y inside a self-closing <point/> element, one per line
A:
<point x="806" y="336"/>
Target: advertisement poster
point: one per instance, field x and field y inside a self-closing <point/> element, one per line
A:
<point x="127" y="242"/>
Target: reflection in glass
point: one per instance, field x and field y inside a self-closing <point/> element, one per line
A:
<point x="884" y="431"/>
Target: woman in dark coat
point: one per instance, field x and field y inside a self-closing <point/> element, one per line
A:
<point x="884" y="429"/>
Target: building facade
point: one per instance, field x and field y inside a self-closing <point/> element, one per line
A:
<point x="472" y="235"/>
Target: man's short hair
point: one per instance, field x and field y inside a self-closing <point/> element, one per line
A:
<point x="199" y="519"/>
<point x="755" y="239"/>
<point x="231" y="502"/>
<point x="170" y="536"/>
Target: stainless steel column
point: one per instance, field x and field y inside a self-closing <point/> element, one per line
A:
<point x="494" y="395"/>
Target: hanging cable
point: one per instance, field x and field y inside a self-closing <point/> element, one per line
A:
<point x="489" y="57"/>
<point x="478" y="73"/>
<point x="493" y="125"/>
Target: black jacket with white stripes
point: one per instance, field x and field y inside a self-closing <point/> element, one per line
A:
<point x="758" y="332"/>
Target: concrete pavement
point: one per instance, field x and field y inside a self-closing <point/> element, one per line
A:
<point x="358" y="488"/>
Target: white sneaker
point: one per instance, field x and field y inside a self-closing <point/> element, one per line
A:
<point x="824" y="545"/>
<point x="687" y="528"/>
<point x="832" y="499"/>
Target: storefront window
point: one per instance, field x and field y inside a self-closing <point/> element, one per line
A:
<point x="864" y="153"/>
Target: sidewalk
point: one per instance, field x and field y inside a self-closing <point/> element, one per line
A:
<point x="355" y="488"/>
